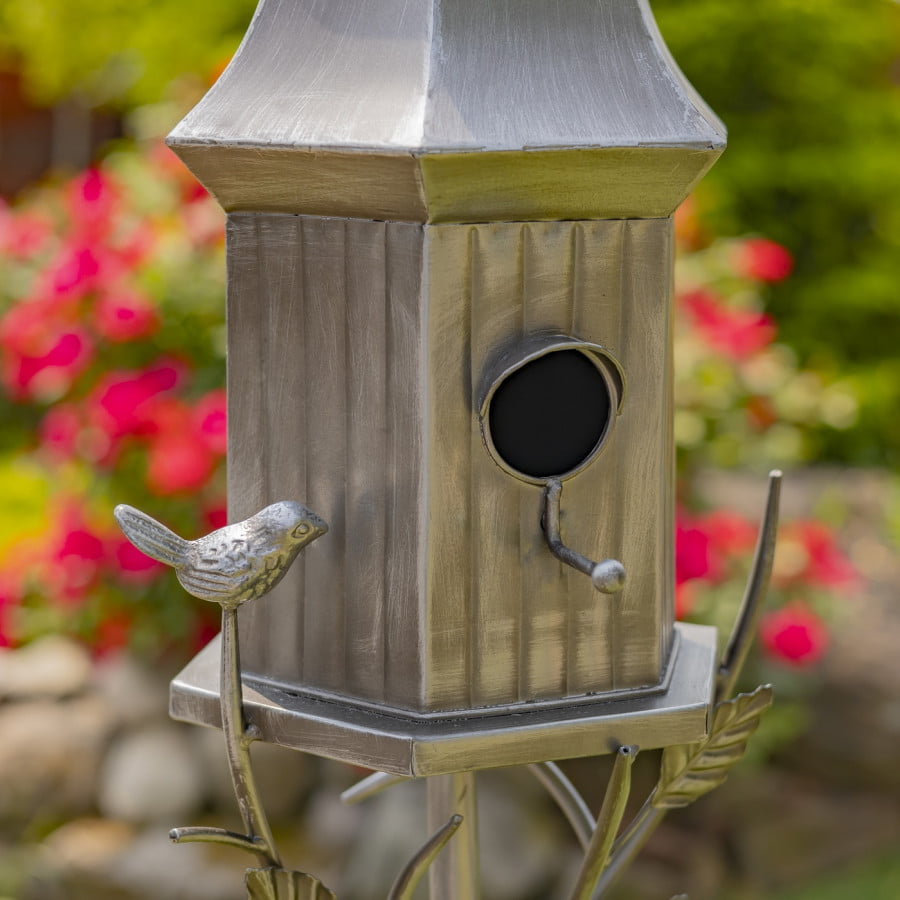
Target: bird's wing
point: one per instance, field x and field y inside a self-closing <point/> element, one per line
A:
<point x="208" y="585"/>
<point x="151" y="537"/>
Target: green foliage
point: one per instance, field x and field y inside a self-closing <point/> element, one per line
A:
<point x="118" y="52"/>
<point x="809" y="92"/>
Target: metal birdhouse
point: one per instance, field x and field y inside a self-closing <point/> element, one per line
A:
<point x="450" y="257"/>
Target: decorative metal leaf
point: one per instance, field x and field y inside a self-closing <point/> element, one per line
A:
<point x="280" y="884"/>
<point x="691" y="770"/>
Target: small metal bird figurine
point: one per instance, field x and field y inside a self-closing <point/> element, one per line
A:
<point x="233" y="564"/>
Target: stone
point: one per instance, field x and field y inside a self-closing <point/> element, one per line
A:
<point x="50" y="756"/>
<point x="93" y="859"/>
<point x="136" y="693"/>
<point x="284" y="777"/>
<point x="152" y="775"/>
<point x="53" y="666"/>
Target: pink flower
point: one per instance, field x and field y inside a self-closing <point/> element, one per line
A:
<point x="736" y="333"/>
<point x="134" y="566"/>
<point x="210" y="421"/>
<point x="125" y="316"/>
<point x="75" y="564"/>
<point x="216" y="516"/>
<point x="763" y="260"/>
<point x="809" y="555"/>
<point x="692" y="552"/>
<point x="52" y="373"/>
<point x="59" y="431"/>
<point x="794" y="635"/>
<point x="122" y="402"/>
<point x="92" y="202"/>
<point x="730" y="534"/>
<point x="24" y="234"/>
<point x="178" y="462"/>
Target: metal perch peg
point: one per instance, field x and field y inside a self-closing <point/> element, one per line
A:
<point x="607" y="576"/>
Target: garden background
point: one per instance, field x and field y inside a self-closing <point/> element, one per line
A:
<point x="111" y="375"/>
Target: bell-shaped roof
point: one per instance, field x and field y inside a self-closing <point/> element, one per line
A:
<point x="451" y="110"/>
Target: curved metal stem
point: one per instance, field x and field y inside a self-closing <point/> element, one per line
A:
<point x="567" y="798"/>
<point x="371" y="786"/>
<point x="597" y="856"/>
<point x="744" y="629"/>
<point x="548" y="774"/>
<point x="627" y="847"/>
<point x="201" y="834"/>
<point x="411" y="875"/>
<point x="237" y="743"/>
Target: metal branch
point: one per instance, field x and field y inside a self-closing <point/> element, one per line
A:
<point x="617" y="792"/>
<point x="237" y="743"/>
<point x="632" y="840"/>
<point x="548" y="774"/>
<point x="205" y="835"/>
<point x="744" y="629"/>
<point x="371" y="786"/>
<point x="567" y="798"/>
<point x="409" y="878"/>
<point x="607" y="576"/>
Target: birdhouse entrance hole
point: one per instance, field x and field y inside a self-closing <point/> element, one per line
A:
<point x="548" y="415"/>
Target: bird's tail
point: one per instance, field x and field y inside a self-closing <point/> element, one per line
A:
<point x="151" y="537"/>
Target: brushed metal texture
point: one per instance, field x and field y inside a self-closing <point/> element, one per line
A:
<point x="406" y="746"/>
<point x="425" y="110"/>
<point x="358" y="349"/>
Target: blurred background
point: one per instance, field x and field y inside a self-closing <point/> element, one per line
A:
<point x="111" y="389"/>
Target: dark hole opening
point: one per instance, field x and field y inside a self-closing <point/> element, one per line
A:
<point x="547" y="417"/>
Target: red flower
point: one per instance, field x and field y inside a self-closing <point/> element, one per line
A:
<point x="763" y="260"/>
<point x="685" y="600"/>
<point x="59" y="431"/>
<point x="22" y="235"/>
<point x="133" y="565"/>
<point x="692" y="552"/>
<point x="123" y="401"/>
<point x="216" y="517"/>
<point x="737" y="333"/>
<point x="51" y="373"/>
<point x="730" y="534"/>
<point x="92" y="203"/>
<point x="112" y="634"/>
<point x="75" y="565"/>
<point x="809" y="554"/>
<point x="794" y="635"/>
<point x="178" y="460"/>
<point x="125" y="316"/>
<point x="210" y="421"/>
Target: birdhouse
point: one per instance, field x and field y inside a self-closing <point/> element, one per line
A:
<point x="450" y="252"/>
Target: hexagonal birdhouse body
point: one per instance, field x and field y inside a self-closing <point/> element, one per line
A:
<point x="449" y="282"/>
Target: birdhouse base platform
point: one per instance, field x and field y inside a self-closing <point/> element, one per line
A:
<point x="413" y="746"/>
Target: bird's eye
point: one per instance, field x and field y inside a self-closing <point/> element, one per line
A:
<point x="301" y="529"/>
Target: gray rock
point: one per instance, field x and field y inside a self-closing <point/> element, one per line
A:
<point x="136" y="693"/>
<point x="284" y="777"/>
<point x="152" y="775"/>
<point x="53" y="666"/>
<point x="50" y="756"/>
<point x="93" y="859"/>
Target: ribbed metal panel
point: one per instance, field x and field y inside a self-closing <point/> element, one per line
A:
<point x="505" y="621"/>
<point x="357" y="350"/>
<point x="325" y="407"/>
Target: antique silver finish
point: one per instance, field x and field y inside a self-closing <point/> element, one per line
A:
<point x="432" y="203"/>
<point x="233" y="564"/>
<point x="607" y="825"/>
<point x="416" y="746"/>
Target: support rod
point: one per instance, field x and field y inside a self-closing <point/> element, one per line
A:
<point x="237" y="743"/>
<point x="454" y="873"/>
